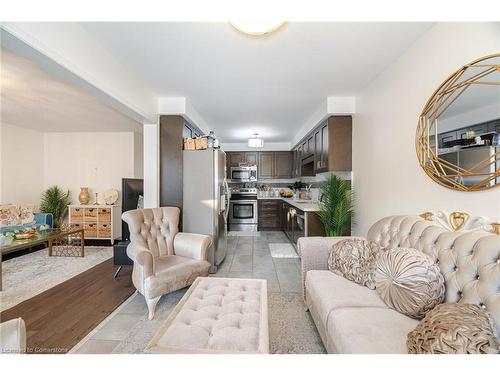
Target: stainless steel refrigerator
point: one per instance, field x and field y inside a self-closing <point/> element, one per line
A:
<point x="206" y="199"/>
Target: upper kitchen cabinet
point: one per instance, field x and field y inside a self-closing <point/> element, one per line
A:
<point x="283" y="164"/>
<point x="251" y="158"/>
<point x="237" y="158"/>
<point x="326" y="148"/>
<point x="265" y="168"/>
<point x="337" y="144"/>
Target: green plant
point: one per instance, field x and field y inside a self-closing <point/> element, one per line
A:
<point x="55" y="201"/>
<point x="336" y="203"/>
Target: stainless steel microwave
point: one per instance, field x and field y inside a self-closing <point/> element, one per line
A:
<point x="244" y="174"/>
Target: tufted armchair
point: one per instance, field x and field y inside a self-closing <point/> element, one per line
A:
<point x="355" y="320"/>
<point x="164" y="259"/>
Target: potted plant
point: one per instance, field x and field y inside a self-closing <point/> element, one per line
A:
<point x="55" y="201"/>
<point x="336" y="203"/>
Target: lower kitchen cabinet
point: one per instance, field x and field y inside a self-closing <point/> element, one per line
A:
<point x="297" y="223"/>
<point x="269" y="214"/>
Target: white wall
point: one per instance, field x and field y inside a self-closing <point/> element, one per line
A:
<point x="95" y="160"/>
<point x="151" y="165"/>
<point x="21" y="165"/>
<point x="387" y="177"/>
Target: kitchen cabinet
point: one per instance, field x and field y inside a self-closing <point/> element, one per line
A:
<point x="265" y="168"/>
<point x="269" y="211"/>
<point x="494" y="126"/>
<point x="235" y="158"/>
<point x="282" y="164"/>
<point x="251" y="158"/>
<point x="328" y="147"/>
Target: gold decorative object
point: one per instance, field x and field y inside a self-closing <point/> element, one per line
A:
<point x="482" y="75"/>
<point x="84" y="196"/>
<point x="458" y="219"/>
<point x="427" y="216"/>
<point x="495" y="228"/>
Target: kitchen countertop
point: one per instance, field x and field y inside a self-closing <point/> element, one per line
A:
<point x="301" y="204"/>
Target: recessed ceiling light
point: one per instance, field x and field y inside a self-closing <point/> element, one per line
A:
<point x="259" y="27"/>
<point x="255" y="141"/>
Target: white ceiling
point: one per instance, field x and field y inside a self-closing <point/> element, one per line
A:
<point x="241" y="85"/>
<point x="32" y="98"/>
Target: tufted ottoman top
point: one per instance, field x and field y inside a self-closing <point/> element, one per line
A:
<point x="217" y="315"/>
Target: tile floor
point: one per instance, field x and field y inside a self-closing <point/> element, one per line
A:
<point x="248" y="256"/>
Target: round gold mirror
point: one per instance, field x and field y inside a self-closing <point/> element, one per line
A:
<point x="458" y="133"/>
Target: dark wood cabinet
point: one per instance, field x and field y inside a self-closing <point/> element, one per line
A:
<point x="251" y="158"/>
<point x="265" y="168"/>
<point x="236" y="158"/>
<point x="282" y="164"/>
<point x="269" y="212"/>
<point x="270" y="164"/>
<point x="321" y="148"/>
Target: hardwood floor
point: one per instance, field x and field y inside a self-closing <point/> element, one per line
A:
<point x="60" y="317"/>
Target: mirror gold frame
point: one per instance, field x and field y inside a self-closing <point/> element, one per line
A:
<point x="440" y="170"/>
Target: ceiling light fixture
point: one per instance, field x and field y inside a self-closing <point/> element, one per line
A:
<point x="255" y="141"/>
<point x="258" y="27"/>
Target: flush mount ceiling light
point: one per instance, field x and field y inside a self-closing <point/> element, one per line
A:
<point x="255" y="141"/>
<point x="259" y="27"/>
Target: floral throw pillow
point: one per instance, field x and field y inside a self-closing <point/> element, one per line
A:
<point x="354" y="259"/>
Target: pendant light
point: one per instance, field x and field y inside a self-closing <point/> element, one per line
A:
<point x="256" y="142"/>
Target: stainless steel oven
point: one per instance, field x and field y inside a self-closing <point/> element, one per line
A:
<point x="244" y="173"/>
<point x="243" y="213"/>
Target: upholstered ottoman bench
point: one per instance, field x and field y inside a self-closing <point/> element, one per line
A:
<point x="217" y="315"/>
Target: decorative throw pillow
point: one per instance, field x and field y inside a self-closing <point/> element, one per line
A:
<point x="454" y="328"/>
<point x="408" y="281"/>
<point x="354" y="259"/>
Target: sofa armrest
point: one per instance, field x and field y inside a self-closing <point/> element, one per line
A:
<point x="143" y="263"/>
<point x="314" y="252"/>
<point x="13" y="336"/>
<point x="192" y="245"/>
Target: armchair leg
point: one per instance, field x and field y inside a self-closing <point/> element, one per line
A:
<point x="151" y="302"/>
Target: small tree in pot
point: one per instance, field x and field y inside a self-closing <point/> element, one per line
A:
<point x="336" y="203"/>
<point x="55" y="201"/>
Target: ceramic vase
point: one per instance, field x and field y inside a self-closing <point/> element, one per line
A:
<point x="84" y="196"/>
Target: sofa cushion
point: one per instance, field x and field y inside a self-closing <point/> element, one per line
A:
<point x="354" y="259"/>
<point x="409" y="281"/>
<point x="454" y="328"/>
<point x="328" y="292"/>
<point x="369" y="330"/>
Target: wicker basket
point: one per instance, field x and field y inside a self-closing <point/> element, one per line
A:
<point x="201" y="143"/>
<point x="189" y="144"/>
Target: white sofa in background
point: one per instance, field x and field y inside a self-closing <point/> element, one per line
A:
<point x="353" y="319"/>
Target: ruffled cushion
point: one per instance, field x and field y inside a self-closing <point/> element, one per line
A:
<point x="354" y="259"/>
<point x="408" y="281"/>
<point x="454" y="328"/>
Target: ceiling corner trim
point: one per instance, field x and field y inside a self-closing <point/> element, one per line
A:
<point x="331" y="105"/>
<point x="179" y="105"/>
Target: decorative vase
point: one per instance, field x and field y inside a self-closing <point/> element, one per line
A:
<point x="84" y="196"/>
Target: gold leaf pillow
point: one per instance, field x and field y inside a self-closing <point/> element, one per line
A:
<point x="408" y="281"/>
<point x="454" y="328"/>
<point x="354" y="259"/>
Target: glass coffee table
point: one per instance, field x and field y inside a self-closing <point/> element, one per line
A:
<point x="67" y="242"/>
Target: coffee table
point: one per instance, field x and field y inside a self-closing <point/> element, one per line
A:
<point x="217" y="315"/>
<point x="61" y="242"/>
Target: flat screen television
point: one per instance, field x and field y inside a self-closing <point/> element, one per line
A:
<point x="132" y="192"/>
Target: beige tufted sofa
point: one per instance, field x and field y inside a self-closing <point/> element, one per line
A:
<point x="353" y="319"/>
<point x="164" y="259"/>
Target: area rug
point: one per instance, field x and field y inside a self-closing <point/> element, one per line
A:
<point x="282" y="250"/>
<point x="26" y="276"/>
<point x="291" y="329"/>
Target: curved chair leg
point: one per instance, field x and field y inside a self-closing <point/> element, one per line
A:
<point x="151" y="302"/>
